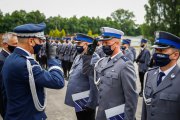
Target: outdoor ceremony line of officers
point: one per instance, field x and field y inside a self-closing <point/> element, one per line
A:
<point x="101" y="78"/>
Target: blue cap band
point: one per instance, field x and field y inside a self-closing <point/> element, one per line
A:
<point x="111" y="35"/>
<point x="168" y="42"/>
<point x="125" y="42"/>
<point x="84" y="39"/>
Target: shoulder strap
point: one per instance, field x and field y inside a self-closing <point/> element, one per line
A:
<point x="124" y="58"/>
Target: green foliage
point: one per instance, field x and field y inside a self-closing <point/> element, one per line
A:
<point x="9" y="21"/>
<point x="57" y="33"/>
<point x="163" y="15"/>
<point x="125" y="21"/>
<point x="59" y="26"/>
<point x="63" y="33"/>
<point x="90" y="33"/>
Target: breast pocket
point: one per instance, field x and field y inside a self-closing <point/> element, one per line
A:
<point x="169" y="102"/>
<point x="112" y="78"/>
<point x="169" y="97"/>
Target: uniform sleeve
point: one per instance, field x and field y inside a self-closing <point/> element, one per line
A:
<point x="1" y="65"/>
<point x="131" y="56"/>
<point x="128" y="77"/>
<point x="92" y="102"/>
<point x="53" y="78"/>
<point x="88" y="71"/>
<point x="147" y="58"/>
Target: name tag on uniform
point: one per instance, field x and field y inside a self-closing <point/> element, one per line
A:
<point x="80" y="100"/>
<point x="115" y="113"/>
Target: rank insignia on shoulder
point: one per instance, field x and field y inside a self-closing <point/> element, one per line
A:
<point x="125" y="58"/>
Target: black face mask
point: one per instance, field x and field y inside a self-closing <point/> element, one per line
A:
<point x="79" y="49"/>
<point x="161" y="60"/>
<point x="11" y="48"/>
<point x="142" y="45"/>
<point x="37" y="48"/>
<point x="123" y="48"/>
<point x="107" y="50"/>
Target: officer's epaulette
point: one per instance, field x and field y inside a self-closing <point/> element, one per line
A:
<point x="153" y="68"/>
<point x="125" y="58"/>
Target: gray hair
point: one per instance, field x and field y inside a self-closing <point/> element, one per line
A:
<point x="7" y="36"/>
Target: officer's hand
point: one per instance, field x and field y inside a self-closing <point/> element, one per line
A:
<point x="91" y="49"/>
<point x="51" y="51"/>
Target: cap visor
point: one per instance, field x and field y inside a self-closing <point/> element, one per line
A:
<point x="160" y="47"/>
<point x="104" y="39"/>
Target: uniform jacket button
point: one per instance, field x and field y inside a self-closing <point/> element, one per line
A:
<point x="99" y="97"/>
<point x="152" y="114"/>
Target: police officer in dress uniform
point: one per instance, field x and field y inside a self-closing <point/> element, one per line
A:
<point x="64" y="56"/>
<point x="67" y="55"/>
<point x="25" y="80"/>
<point x="81" y="79"/>
<point x="143" y="61"/>
<point x="126" y="51"/>
<point x="133" y="50"/>
<point x="115" y="77"/>
<point x="161" y="92"/>
<point x="9" y="44"/>
<point x="73" y="52"/>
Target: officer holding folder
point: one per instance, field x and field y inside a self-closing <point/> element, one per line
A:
<point x="81" y="90"/>
<point x="115" y="78"/>
<point x="161" y="88"/>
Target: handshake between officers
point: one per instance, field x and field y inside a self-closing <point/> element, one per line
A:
<point x="23" y="78"/>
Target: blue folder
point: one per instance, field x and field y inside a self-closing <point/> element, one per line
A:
<point x="115" y="113"/>
<point x="80" y="100"/>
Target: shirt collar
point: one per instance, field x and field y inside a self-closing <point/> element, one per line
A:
<point x="6" y="51"/>
<point x="115" y="55"/>
<point x="29" y="54"/>
<point x="168" y="70"/>
<point x="142" y="48"/>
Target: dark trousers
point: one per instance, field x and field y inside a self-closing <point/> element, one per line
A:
<point x="65" y="67"/>
<point x="86" y="115"/>
<point x="2" y="107"/>
<point x="141" y="77"/>
<point x="69" y="66"/>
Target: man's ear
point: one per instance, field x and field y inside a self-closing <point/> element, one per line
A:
<point x="86" y="43"/>
<point x="177" y="55"/>
<point x="30" y="41"/>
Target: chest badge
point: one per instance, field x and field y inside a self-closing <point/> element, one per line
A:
<point x="173" y="76"/>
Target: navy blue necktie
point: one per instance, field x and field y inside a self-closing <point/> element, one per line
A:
<point x="161" y="74"/>
<point x="109" y="59"/>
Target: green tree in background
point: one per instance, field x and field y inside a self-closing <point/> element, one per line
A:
<point x="161" y="15"/>
<point x="69" y="26"/>
<point x="90" y="33"/>
<point x="63" y="33"/>
<point x="125" y="21"/>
